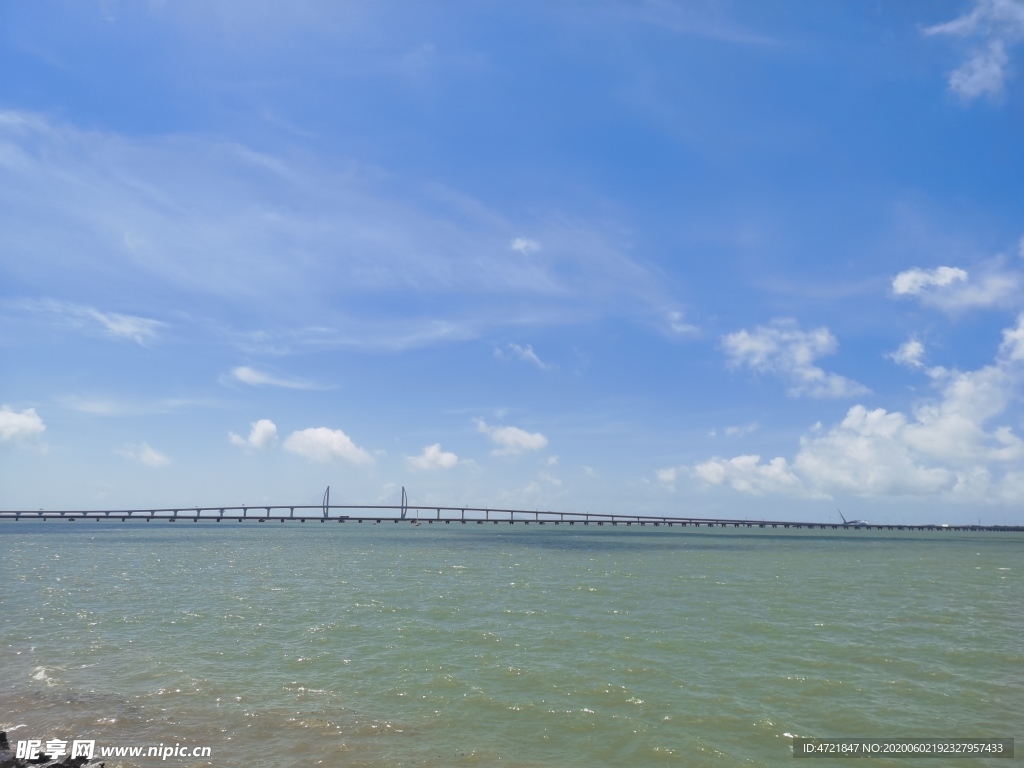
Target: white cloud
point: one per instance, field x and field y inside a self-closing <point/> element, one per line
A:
<point x="948" y="445"/>
<point x="748" y="475"/>
<point x="208" y="228"/>
<point x="909" y="354"/>
<point x="255" y="378"/>
<point x="99" y="406"/>
<point x="433" y="458"/>
<point x="993" y="26"/>
<point x="739" y="430"/>
<point x="1012" y="347"/>
<point x="145" y="454"/>
<point x="952" y="289"/>
<point x="325" y="445"/>
<point x="524" y="245"/>
<point x="16" y="425"/>
<point x="692" y="19"/>
<point x="262" y="434"/>
<point x="787" y="351"/>
<point x="867" y="455"/>
<point x="526" y="354"/>
<point x="138" y="329"/>
<point x="677" y="325"/>
<point x="982" y="74"/>
<point x="913" y="281"/>
<point x="550" y="479"/>
<point x="512" y="440"/>
<point x="667" y="475"/>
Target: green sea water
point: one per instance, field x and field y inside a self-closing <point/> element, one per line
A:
<point x="479" y="645"/>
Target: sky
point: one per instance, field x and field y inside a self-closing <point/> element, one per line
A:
<point x="735" y="258"/>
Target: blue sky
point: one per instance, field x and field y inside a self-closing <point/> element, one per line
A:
<point x="749" y="259"/>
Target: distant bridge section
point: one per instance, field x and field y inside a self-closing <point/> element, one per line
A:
<point x="407" y="514"/>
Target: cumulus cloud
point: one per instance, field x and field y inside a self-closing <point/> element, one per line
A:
<point x="512" y="440"/>
<point x="251" y="376"/>
<point x="909" y="353"/>
<point x="15" y="425"/>
<point x="144" y="453"/>
<point x="1012" y="347"/>
<point x="947" y="445"/>
<point x="867" y="454"/>
<point x="952" y="289"/>
<point x="990" y="28"/>
<point x="432" y="458"/>
<point x="789" y="352"/>
<point x="262" y="434"/>
<point x="748" y="475"/>
<point x="524" y="353"/>
<point x="326" y="445"/>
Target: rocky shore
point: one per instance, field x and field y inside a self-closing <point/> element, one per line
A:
<point x="9" y="759"/>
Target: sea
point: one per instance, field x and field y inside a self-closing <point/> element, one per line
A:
<point x="284" y="645"/>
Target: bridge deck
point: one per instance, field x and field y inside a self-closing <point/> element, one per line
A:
<point x="448" y="515"/>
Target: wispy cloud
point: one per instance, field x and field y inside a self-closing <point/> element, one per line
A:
<point x="108" y="406"/>
<point x="251" y="376"/>
<point x="704" y="20"/>
<point x="678" y="325"/>
<point x="520" y="352"/>
<point x="789" y="352"/>
<point x="990" y="28"/>
<point x="141" y="330"/>
<point x="524" y="245"/>
<point x="216" y="226"/>
<point x="393" y="334"/>
<point x="18" y="425"/>
<point x="144" y="453"/>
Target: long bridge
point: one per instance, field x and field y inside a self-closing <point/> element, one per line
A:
<point x="406" y="513"/>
